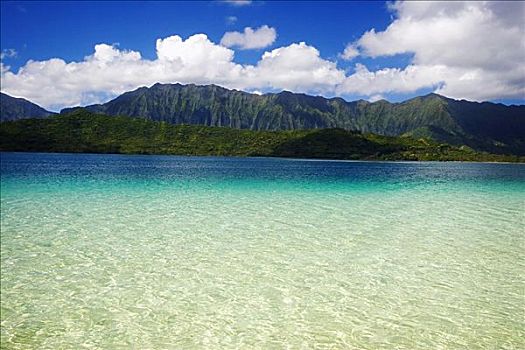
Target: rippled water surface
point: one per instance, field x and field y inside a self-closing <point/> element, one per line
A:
<point x="109" y="251"/>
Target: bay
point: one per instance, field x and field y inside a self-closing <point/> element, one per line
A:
<point x="114" y="251"/>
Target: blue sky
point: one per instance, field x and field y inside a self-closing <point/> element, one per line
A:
<point x="40" y="31"/>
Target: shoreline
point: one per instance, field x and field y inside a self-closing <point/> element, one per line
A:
<point x="401" y="161"/>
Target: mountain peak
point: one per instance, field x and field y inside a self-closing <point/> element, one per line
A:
<point x="435" y="95"/>
<point x="13" y="108"/>
<point x="479" y="125"/>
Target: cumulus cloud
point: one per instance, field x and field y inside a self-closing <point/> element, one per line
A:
<point x="110" y="71"/>
<point x="473" y="50"/>
<point x="388" y="80"/>
<point x="297" y="67"/>
<point x="350" y="52"/>
<point x="108" y="53"/>
<point x="469" y="50"/>
<point x="250" y="38"/>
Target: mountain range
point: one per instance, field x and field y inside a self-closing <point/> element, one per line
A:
<point x="12" y="108"/>
<point x="483" y="126"/>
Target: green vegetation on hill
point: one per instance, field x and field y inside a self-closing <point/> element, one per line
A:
<point x="484" y="126"/>
<point x="82" y="131"/>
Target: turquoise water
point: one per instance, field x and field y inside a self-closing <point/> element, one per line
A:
<point x="147" y="252"/>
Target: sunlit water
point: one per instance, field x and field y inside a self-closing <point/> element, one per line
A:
<point x="147" y="252"/>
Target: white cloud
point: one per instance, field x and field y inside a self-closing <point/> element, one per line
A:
<point x="250" y="38"/>
<point x="350" y="52"/>
<point x="238" y="2"/>
<point x="110" y="71"/>
<point x="108" y="53"/>
<point x="375" y="98"/>
<point x="4" y="68"/>
<point x="231" y="20"/>
<point x="197" y="50"/>
<point x="387" y="80"/>
<point x="473" y="50"/>
<point x="9" y="53"/>
<point x="297" y="67"/>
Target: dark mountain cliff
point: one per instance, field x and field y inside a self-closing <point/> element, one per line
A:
<point x="12" y="108"/>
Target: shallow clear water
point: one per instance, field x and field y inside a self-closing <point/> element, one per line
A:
<point x="109" y="251"/>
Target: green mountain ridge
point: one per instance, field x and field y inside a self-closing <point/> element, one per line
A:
<point x="483" y="126"/>
<point x="83" y="131"/>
